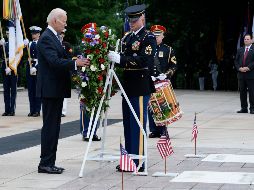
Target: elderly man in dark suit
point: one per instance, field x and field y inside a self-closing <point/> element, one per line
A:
<point x="53" y="85"/>
<point x="244" y="63"/>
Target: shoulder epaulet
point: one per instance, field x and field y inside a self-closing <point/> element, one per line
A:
<point x="126" y="34"/>
<point x="149" y="34"/>
<point x="167" y="46"/>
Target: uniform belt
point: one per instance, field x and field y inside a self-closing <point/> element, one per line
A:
<point x="129" y="69"/>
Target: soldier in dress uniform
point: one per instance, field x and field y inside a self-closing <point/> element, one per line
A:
<point x="138" y="50"/>
<point x="164" y="68"/>
<point x="9" y="81"/>
<point x="31" y="73"/>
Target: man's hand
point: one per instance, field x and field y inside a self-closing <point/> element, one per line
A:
<point x="26" y="42"/>
<point x="162" y="76"/>
<point x="82" y="62"/>
<point x="244" y="69"/>
<point x="2" y="41"/>
<point x="114" y="57"/>
<point x="8" y="71"/>
<point x="33" y="71"/>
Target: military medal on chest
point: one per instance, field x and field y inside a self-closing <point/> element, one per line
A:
<point x="135" y="45"/>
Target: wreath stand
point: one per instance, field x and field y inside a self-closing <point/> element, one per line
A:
<point x="103" y="156"/>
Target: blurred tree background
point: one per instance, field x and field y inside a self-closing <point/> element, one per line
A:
<point x="197" y="30"/>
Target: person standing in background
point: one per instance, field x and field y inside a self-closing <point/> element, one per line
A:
<point x="164" y="68"/>
<point x="9" y="81"/>
<point x="31" y="73"/>
<point x="244" y="63"/>
<point x="68" y="50"/>
<point x="214" y="73"/>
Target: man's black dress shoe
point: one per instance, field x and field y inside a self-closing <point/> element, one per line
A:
<point x="11" y="114"/>
<point x="5" y="114"/>
<point x="59" y="168"/>
<point x="95" y="138"/>
<point x="251" y="111"/>
<point x="154" y="135"/>
<point x="49" y="170"/>
<point x="30" y="114"/>
<point x="119" y="170"/>
<point x="242" y="111"/>
<point x="36" y="114"/>
<point x="141" y="169"/>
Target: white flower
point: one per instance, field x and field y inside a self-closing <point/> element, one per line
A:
<point x="102" y="67"/>
<point x="83" y="84"/>
<point x="109" y="31"/>
<point x="87" y="108"/>
<point x="83" y="69"/>
<point x="97" y="36"/>
<point x="93" y="68"/>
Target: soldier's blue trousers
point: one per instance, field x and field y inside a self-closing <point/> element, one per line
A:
<point x="35" y="102"/>
<point x="134" y="139"/>
<point x="84" y="123"/>
<point x="10" y="92"/>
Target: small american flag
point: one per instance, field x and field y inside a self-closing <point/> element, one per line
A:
<point x="164" y="145"/>
<point x="194" y="129"/>
<point x="126" y="163"/>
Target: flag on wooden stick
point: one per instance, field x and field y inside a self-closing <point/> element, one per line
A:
<point x="194" y="129"/>
<point x="126" y="163"/>
<point x="164" y="145"/>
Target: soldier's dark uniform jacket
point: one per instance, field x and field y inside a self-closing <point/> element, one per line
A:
<point x="33" y="53"/>
<point x="10" y="86"/>
<point x="136" y="58"/>
<point x="164" y="61"/>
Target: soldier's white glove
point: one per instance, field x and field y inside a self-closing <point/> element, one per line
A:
<point x="2" y="41"/>
<point x="153" y="78"/>
<point x="162" y="76"/>
<point x="26" y="42"/>
<point x="8" y="71"/>
<point x="33" y="71"/>
<point x="114" y="57"/>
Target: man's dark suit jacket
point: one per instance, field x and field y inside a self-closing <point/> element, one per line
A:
<point x="249" y="62"/>
<point x="54" y="77"/>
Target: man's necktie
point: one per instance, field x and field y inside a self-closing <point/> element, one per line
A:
<point x="59" y="38"/>
<point x="245" y="55"/>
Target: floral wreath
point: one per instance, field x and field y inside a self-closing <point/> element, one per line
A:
<point x="90" y="80"/>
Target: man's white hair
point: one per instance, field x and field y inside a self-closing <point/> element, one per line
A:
<point x="55" y="13"/>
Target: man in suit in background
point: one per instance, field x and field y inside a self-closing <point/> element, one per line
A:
<point x="53" y="85"/>
<point x="244" y="63"/>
